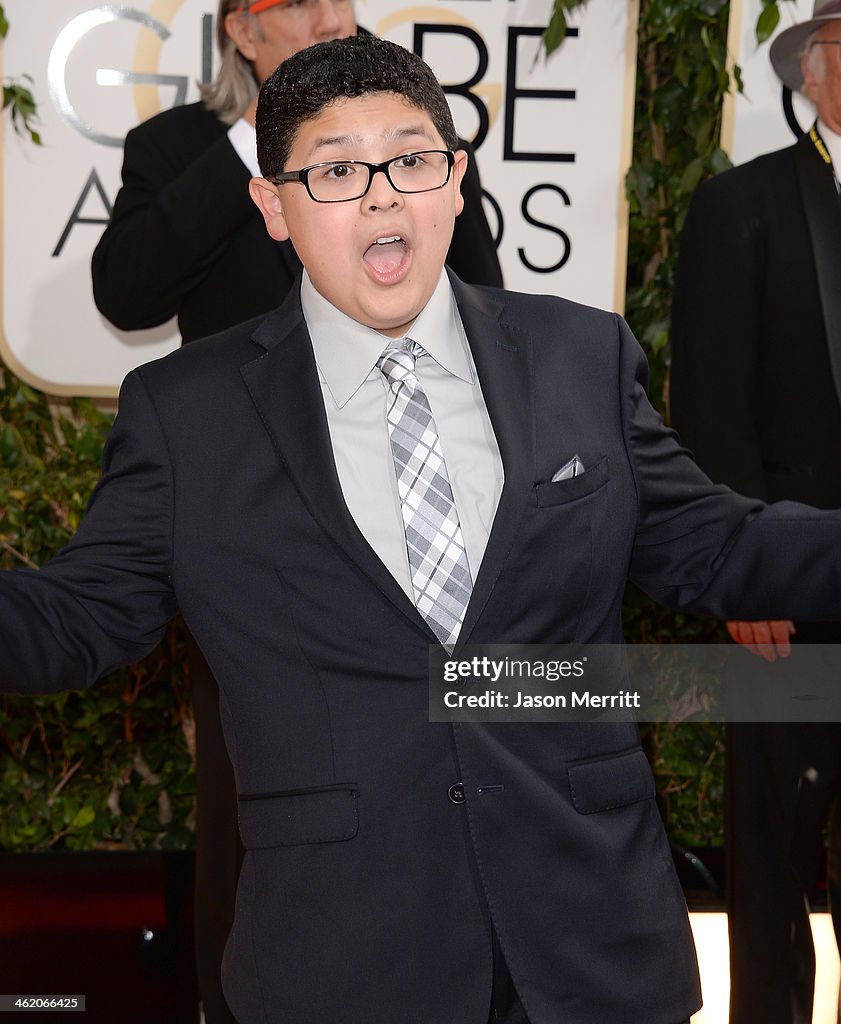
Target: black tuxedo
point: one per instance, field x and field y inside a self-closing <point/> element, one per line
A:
<point x="755" y="386"/>
<point x="185" y="239"/>
<point x="367" y="894"/>
<point x="756" y="328"/>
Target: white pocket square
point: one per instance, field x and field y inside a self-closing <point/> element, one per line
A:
<point x="575" y="467"/>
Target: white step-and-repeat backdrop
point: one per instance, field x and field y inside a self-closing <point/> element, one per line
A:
<point x="766" y="116"/>
<point x="553" y="141"/>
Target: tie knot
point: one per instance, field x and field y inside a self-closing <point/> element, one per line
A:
<point x="397" y="363"/>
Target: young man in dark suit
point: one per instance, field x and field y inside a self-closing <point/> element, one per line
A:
<point x="386" y="477"/>
<point x="756" y="394"/>
<point x="185" y="240"/>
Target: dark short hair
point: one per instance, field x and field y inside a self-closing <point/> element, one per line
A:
<point x="312" y="79"/>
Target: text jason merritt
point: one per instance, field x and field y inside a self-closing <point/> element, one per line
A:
<point x="574" y="699"/>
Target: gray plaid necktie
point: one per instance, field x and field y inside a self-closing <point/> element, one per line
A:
<point x="437" y="558"/>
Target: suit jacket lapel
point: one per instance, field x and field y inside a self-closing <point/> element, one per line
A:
<point x="823" y="216"/>
<point x="284" y="386"/>
<point x="502" y="354"/>
<point x="283" y="383"/>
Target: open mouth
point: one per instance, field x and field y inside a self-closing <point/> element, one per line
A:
<point x="385" y="255"/>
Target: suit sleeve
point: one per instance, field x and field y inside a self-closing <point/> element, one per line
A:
<point x="716" y="334"/>
<point x="105" y="599"/>
<point x="701" y="547"/>
<point x="472" y="252"/>
<point x="171" y="221"/>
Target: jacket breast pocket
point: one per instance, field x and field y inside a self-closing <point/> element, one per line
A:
<point x="559" y="492"/>
<point x="322" y="814"/>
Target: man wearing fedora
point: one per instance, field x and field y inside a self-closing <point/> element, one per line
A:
<point x="756" y="394"/>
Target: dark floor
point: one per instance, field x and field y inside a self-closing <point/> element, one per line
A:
<point x="115" y="927"/>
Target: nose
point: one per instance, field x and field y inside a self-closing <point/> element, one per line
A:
<point x="329" y="23"/>
<point x="381" y="193"/>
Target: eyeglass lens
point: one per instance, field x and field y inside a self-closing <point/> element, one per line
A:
<point x="413" y="172"/>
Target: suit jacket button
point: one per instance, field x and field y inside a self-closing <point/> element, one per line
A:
<point x="456" y="793"/>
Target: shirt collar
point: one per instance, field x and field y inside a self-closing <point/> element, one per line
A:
<point x="346" y="351"/>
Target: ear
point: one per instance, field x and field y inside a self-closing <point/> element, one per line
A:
<point x="458" y="172"/>
<point x="268" y="203"/>
<point x="809" y="80"/>
<point x="240" y="29"/>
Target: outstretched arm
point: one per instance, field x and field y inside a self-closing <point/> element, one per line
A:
<point x="701" y="547"/>
<point x="105" y="598"/>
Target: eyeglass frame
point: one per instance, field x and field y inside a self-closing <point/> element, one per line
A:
<point x="825" y="42"/>
<point x="302" y="175"/>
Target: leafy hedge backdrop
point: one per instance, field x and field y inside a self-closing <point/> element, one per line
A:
<point x="113" y="767"/>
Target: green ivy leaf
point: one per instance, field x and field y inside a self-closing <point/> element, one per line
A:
<point x="720" y="161"/>
<point x="20" y="102"/>
<point x="556" y="30"/>
<point x="692" y="175"/>
<point x="85" y="816"/>
<point x="767" y="21"/>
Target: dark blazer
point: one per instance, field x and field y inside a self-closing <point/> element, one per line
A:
<point x="756" y="328"/>
<point x="366" y="893"/>
<point x="186" y="240"/>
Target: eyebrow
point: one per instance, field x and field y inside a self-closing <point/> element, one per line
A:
<point x="346" y="140"/>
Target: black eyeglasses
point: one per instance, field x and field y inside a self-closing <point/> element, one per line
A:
<point x="340" y="181"/>
<point x="825" y="42"/>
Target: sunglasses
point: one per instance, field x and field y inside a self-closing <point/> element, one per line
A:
<point x="258" y="6"/>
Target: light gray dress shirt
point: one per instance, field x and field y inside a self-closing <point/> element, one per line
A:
<point x="354" y="392"/>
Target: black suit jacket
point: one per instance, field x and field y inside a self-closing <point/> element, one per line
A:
<point x="756" y="328"/>
<point x="366" y="893"/>
<point x="186" y="240"/>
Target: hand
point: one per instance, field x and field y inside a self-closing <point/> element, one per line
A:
<point x="768" y="640"/>
<point x="250" y="113"/>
